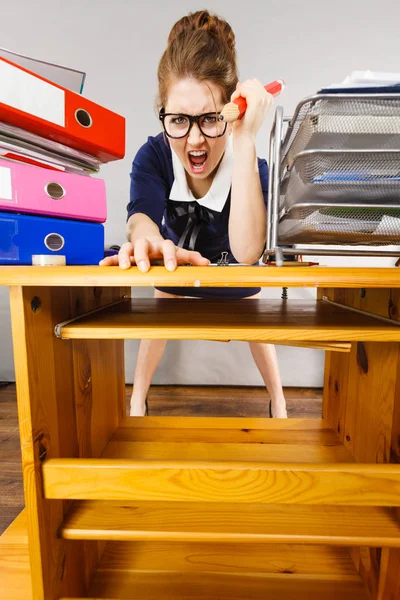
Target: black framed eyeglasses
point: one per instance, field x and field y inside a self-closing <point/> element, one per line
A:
<point x="178" y="125"/>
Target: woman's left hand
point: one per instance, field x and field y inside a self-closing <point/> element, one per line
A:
<point x="258" y="100"/>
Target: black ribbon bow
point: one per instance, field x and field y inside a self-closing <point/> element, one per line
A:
<point x="197" y="216"/>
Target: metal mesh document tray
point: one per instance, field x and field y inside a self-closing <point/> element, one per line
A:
<point x="337" y="225"/>
<point x="336" y="172"/>
<point x="343" y="121"/>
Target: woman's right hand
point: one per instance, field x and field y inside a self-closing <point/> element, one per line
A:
<point x="145" y="251"/>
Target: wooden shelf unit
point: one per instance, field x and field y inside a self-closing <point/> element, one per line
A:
<point x="142" y="508"/>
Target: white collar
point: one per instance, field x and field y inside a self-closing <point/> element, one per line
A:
<point x="217" y="195"/>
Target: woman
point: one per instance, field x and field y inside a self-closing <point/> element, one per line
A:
<point x="198" y="189"/>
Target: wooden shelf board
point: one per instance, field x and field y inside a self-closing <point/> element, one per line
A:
<point x="238" y="430"/>
<point x="132" y="570"/>
<point x="260" y="320"/>
<point x="221" y="587"/>
<point x="254" y="276"/>
<point x="235" y="572"/>
<point x="210" y="465"/>
<point x="230" y="523"/>
<point x="226" y="452"/>
<point x="346" y="484"/>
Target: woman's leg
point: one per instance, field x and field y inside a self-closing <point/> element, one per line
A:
<point x="150" y="354"/>
<point x="267" y="362"/>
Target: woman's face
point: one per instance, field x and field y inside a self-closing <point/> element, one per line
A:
<point x="191" y="97"/>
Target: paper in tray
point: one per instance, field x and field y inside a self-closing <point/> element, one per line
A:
<point x="384" y="89"/>
<point x="366" y="82"/>
<point x="355" y="176"/>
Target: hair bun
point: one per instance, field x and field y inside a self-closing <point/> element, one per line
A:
<point x="203" y="20"/>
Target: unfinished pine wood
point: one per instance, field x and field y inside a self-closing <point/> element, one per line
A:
<point x="245" y="430"/>
<point x="360" y="389"/>
<point x="247" y="523"/>
<point x="128" y="559"/>
<point x="308" y="482"/>
<point x="178" y="587"/>
<point x="235" y="571"/>
<point x="163" y="400"/>
<point x="15" y="574"/>
<point x="335" y="391"/>
<point x="232" y="425"/>
<point x="395" y="434"/>
<point x="99" y="379"/>
<point x="16" y="531"/>
<point x="288" y="560"/>
<point x="328" y="346"/>
<point x="283" y="483"/>
<point x="43" y="371"/>
<point x="259" y="320"/>
<point x="361" y="396"/>
<point x="389" y="580"/>
<point x="100" y="404"/>
<point x="199" y="451"/>
<point x="98" y="373"/>
<point x="48" y="426"/>
<point x="333" y="346"/>
<point x="375" y="300"/>
<point x="190" y="586"/>
<point x="370" y="401"/>
<point x="255" y="276"/>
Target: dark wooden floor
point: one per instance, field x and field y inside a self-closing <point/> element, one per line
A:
<point x="163" y="400"/>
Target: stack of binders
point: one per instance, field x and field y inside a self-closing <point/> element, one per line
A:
<point x="51" y="140"/>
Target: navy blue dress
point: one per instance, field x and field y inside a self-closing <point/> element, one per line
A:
<point x="188" y="224"/>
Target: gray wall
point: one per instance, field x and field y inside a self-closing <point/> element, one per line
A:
<point x="118" y="44"/>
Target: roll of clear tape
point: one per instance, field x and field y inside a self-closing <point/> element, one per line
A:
<point x="48" y="260"/>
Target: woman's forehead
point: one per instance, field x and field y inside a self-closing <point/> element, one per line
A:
<point x="193" y="97"/>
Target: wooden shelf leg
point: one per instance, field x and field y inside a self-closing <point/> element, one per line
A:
<point x="362" y="403"/>
<point x="50" y="424"/>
